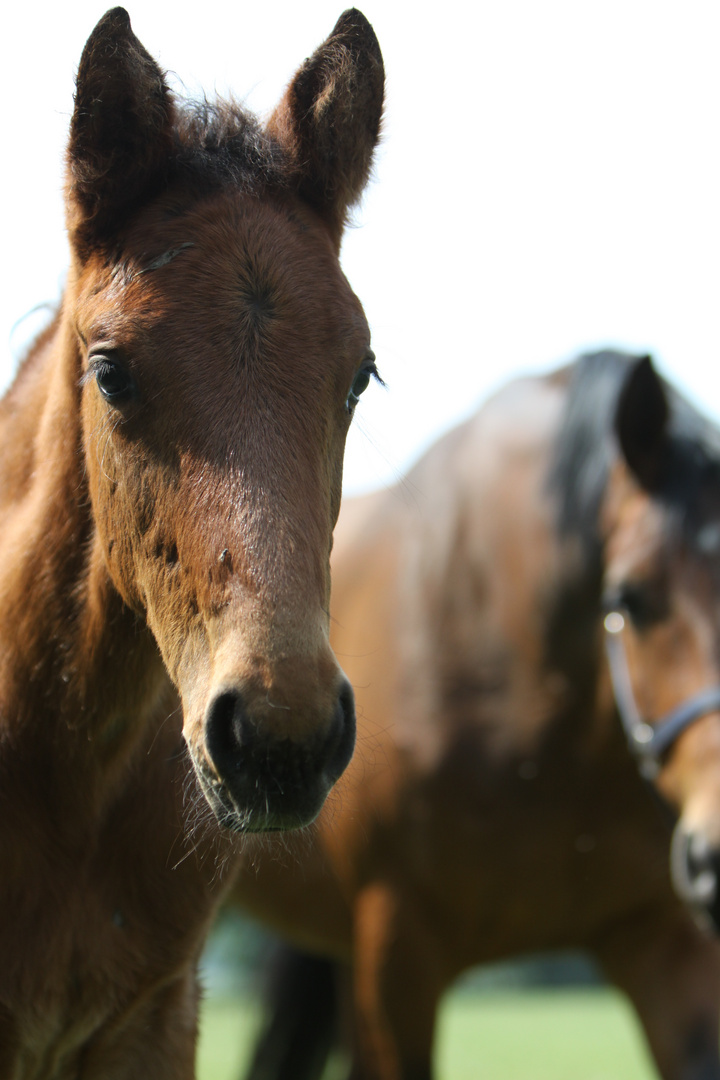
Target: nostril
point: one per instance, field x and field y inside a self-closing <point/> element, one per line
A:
<point x="347" y="701"/>
<point x="342" y="738"/>
<point x="693" y="867"/>
<point x="701" y="869"/>
<point x="226" y="730"/>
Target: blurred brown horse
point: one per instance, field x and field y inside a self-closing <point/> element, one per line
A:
<point x="492" y="807"/>
<point x="171" y="468"/>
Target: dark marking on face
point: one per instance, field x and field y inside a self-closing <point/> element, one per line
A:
<point x="259" y="299"/>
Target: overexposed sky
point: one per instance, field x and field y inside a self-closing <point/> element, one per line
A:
<point x="548" y="182"/>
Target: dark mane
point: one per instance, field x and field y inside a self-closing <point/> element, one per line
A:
<point x="587" y="445"/>
<point x="221" y="141"/>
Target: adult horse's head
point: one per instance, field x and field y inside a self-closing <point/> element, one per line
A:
<point x="662" y="597"/>
<point x="221" y="353"/>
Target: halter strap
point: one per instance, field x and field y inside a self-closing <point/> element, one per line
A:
<point x="649" y="742"/>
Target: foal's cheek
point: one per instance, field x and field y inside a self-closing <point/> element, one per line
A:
<point x="115" y="507"/>
<point x="120" y="557"/>
<point x="334" y="455"/>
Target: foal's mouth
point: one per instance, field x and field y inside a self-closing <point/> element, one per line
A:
<point x="276" y="810"/>
<point x="245" y="819"/>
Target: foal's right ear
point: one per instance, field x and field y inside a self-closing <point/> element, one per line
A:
<point x="329" y="119"/>
<point x="120" y="134"/>
<point x="641" y="423"/>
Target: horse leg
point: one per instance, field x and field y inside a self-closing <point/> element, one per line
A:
<point x="301" y="1029"/>
<point x="397" y="982"/>
<point x="670" y="970"/>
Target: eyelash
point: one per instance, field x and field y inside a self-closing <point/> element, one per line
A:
<point x="104" y="367"/>
<point x="362" y="380"/>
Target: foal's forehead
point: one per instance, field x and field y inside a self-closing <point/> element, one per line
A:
<point x="266" y="265"/>
<point x="236" y="233"/>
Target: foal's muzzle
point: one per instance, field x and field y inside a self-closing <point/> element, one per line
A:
<point x="264" y="781"/>
<point x="695" y="870"/>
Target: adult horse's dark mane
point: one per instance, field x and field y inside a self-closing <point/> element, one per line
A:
<point x="587" y="446"/>
<point x="584" y="447"/>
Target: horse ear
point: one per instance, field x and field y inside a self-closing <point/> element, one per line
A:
<point x="641" y="423"/>
<point x="329" y="119"/>
<point x="121" y="130"/>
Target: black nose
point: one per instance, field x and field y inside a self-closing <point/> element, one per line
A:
<point x="268" y="780"/>
<point x="695" y="866"/>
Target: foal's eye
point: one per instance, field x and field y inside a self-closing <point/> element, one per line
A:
<point x="113" y="381"/>
<point x="361" y="382"/>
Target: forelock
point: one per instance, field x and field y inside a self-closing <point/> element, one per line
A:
<point x="222" y="141"/>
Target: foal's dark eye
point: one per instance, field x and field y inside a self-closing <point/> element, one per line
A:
<point x="113" y="381"/>
<point x="361" y="382"/>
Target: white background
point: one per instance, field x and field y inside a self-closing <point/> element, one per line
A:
<point x="548" y="182"/>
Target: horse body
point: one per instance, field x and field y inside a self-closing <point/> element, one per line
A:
<point x="172" y="457"/>
<point x="492" y="807"/>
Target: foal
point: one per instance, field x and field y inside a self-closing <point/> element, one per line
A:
<point x="171" y="468"/>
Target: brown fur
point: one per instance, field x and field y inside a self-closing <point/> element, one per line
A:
<point x="492" y="807"/>
<point x="168" y="538"/>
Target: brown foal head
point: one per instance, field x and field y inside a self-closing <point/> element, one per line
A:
<point x="221" y="355"/>
<point x="662" y="575"/>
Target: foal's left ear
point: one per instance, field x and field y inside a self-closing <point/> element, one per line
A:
<point x="641" y="423"/>
<point x="329" y="119"/>
<point x="120" y="134"/>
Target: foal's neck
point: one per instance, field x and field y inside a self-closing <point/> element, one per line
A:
<point x="73" y="659"/>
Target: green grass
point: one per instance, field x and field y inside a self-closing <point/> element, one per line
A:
<point x="555" y="1035"/>
<point x="227" y="1027"/>
<point x="532" y="1035"/>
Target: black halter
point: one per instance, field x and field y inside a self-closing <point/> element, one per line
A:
<point x="647" y="741"/>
